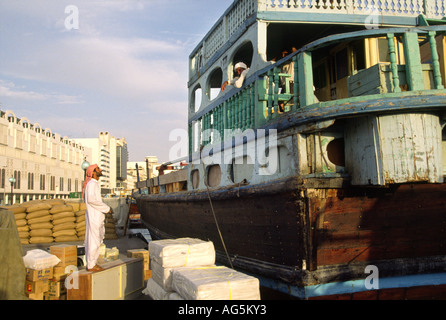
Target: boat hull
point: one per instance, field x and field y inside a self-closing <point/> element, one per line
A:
<point x="297" y="234"/>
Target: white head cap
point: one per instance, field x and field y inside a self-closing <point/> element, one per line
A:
<point x="240" y="65"/>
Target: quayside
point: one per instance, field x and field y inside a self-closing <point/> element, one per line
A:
<point x="327" y="166"/>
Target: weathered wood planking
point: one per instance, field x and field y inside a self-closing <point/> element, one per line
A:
<point x="394" y="149"/>
<point x="409" y="221"/>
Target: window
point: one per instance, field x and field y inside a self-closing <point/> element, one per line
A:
<point x="30" y="181"/>
<point x="61" y="184"/>
<point x="42" y="182"/>
<point x="53" y="183"/>
<point x="69" y="185"/>
<point x="2" y="181"/>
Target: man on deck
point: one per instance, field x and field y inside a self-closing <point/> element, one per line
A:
<point x="95" y="215"/>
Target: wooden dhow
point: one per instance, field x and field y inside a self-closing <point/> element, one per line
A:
<point x="324" y="174"/>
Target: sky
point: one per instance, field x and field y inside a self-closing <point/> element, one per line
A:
<point x="80" y="67"/>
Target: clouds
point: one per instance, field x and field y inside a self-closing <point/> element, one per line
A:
<point x="124" y="71"/>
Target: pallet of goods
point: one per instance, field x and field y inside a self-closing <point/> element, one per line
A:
<point x="185" y="269"/>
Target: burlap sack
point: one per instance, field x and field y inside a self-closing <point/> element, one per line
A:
<point x="37" y="214"/>
<point x="20" y="216"/>
<point x="41" y="233"/>
<point x="46" y="218"/>
<point x="64" y="226"/>
<point x="75" y="205"/>
<point x="63" y="214"/>
<point x="24" y="234"/>
<point x="80" y="218"/>
<point x="80" y="213"/>
<point x="41" y="239"/>
<point x="21" y="223"/>
<point x="66" y="238"/>
<point x="15" y="208"/>
<point x="43" y="225"/>
<point x="63" y="220"/>
<point x="24" y="228"/>
<point x="38" y="206"/>
<point x="61" y="208"/>
<point x="68" y="232"/>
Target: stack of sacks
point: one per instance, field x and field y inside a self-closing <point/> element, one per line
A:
<point x="110" y="228"/>
<point x="167" y="255"/>
<point x="21" y="222"/>
<point x="79" y="210"/>
<point x="64" y="227"/>
<point x="39" y="221"/>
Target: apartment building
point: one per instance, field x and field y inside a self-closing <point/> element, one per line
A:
<point x="44" y="164"/>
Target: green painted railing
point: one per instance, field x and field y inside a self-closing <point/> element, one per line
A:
<point x="264" y="94"/>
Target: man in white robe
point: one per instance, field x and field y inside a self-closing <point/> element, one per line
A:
<point x="94" y="218"/>
<point x="242" y="70"/>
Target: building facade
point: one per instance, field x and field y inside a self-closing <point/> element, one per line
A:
<point x="111" y="155"/>
<point x="43" y="164"/>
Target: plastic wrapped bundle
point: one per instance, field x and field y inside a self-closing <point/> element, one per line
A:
<point x="155" y="291"/>
<point x="183" y="252"/>
<point x="214" y="283"/>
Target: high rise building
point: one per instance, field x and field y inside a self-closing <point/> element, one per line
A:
<point x="111" y="155"/>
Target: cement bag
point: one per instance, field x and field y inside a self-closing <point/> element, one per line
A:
<point x="42" y="219"/>
<point x="43" y="225"/>
<point x="39" y="259"/>
<point x="63" y="214"/>
<point x="37" y="214"/>
<point x="23" y="234"/>
<point x="63" y="220"/>
<point x="38" y="206"/>
<point x="214" y="283"/>
<point x="15" y="208"/>
<point x="24" y="228"/>
<point x="61" y="208"/>
<point x="34" y="240"/>
<point x="19" y="216"/>
<point x="66" y="238"/>
<point x="80" y="213"/>
<point x="183" y="252"/>
<point x="75" y="205"/>
<point x="41" y="233"/>
<point x="155" y="291"/>
<point x="21" y="222"/>
<point x="64" y="226"/>
<point x="69" y="232"/>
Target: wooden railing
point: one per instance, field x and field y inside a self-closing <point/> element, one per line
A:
<point x="259" y="101"/>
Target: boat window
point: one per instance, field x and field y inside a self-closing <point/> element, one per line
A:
<point x="196" y="98"/>
<point x="214" y="84"/>
<point x="335" y="152"/>
<point x="243" y="54"/>
<point x="195" y="178"/>
<point x="213" y="175"/>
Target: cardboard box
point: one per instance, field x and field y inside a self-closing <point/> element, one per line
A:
<point x="66" y="253"/>
<point x="35" y="275"/>
<point x="56" y="288"/>
<point x="140" y="253"/>
<point x="59" y="273"/>
<point x="36" y="296"/>
<point x="36" y="287"/>
<point x="48" y="296"/>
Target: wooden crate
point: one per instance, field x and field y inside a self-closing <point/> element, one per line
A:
<point x="121" y="279"/>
